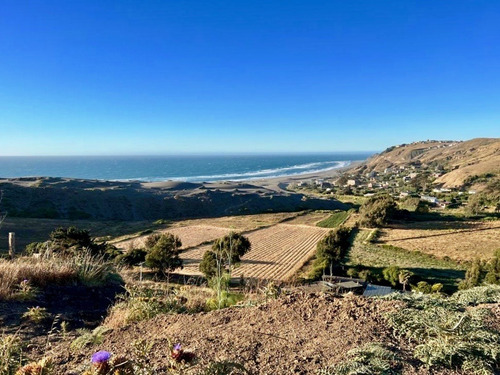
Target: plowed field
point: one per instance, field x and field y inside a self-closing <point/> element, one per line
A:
<point x="277" y="252"/>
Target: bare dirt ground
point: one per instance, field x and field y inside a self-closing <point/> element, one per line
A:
<point x="461" y="241"/>
<point x="299" y="333"/>
<point x="277" y="252"/>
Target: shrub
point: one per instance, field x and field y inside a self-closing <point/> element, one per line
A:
<point x="89" y="338"/>
<point x="36" y="314"/>
<point x="371" y="358"/>
<point x="163" y="256"/>
<point x="473" y="275"/>
<point x="447" y="335"/>
<point x="132" y="257"/>
<point x="93" y="270"/>
<point x="224" y="368"/>
<point x="422" y="287"/>
<point x="436" y="288"/>
<point x="10" y="354"/>
<point x="477" y="295"/>
<point x="71" y="240"/>
<point x="493" y="269"/>
<point x="333" y="247"/>
<point x="376" y="211"/>
<point x="391" y="274"/>
<point x="142" y="304"/>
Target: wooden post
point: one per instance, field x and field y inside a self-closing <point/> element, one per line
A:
<point x="12" y="245"/>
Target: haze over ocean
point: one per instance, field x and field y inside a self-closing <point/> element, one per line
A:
<point x="195" y="168"/>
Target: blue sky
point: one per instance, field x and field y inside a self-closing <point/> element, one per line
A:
<point x="173" y="76"/>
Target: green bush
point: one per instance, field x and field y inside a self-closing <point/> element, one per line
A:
<point x="447" y="335"/>
<point x="477" y="295"/>
<point x="332" y="248"/>
<point x="89" y="338"/>
<point x="371" y="358"/>
<point x="377" y="210"/>
<point x="11" y="356"/>
<point x="132" y="257"/>
<point x="391" y="274"/>
<point x="163" y="256"/>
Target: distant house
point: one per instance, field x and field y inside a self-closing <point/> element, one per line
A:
<point x="403" y="194"/>
<point x="388" y="170"/>
<point x="430" y="199"/>
<point x="413" y="175"/>
<point x="352" y="182"/>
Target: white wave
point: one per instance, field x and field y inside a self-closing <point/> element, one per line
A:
<point x="255" y="175"/>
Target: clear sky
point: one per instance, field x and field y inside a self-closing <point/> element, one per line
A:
<point x="175" y="76"/>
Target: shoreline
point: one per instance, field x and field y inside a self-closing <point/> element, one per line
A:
<point x="326" y="173"/>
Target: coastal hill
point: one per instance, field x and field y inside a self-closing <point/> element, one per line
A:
<point x="458" y="162"/>
<point x="63" y="198"/>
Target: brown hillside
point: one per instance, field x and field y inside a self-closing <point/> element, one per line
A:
<point x="460" y="160"/>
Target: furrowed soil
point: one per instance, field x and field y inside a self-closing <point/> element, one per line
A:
<point x="298" y="333"/>
<point x="277" y="252"/>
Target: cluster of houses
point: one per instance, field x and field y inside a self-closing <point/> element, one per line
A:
<point x="392" y="179"/>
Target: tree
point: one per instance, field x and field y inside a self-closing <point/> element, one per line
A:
<point x="218" y="263"/>
<point x="377" y="210"/>
<point x="475" y="204"/>
<point x="69" y="240"/>
<point x="163" y="257"/>
<point x="226" y="252"/>
<point x="404" y="278"/>
<point x="391" y="274"/>
<point x="473" y="275"/>
<point x="332" y="247"/>
<point x="493" y="269"/>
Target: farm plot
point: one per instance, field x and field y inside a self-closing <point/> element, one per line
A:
<point x="277" y="253"/>
<point x="192" y="235"/>
<point x="459" y="241"/>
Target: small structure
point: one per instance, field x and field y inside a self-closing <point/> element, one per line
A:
<point x="430" y="199"/>
<point x="377" y="290"/>
<point x="352" y="182"/>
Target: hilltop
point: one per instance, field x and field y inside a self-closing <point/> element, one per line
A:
<point x="64" y="198"/>
<point x="455" y="163"/>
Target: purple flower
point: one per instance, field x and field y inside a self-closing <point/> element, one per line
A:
<point x="101" y="356"/>
<point x="177" y="347"/>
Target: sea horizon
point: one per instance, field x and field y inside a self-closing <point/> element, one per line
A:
<point x="177" y="167"/>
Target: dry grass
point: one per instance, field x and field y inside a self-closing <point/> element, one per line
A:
<point x="461" y="241"/>
<point x="39" y="272"/>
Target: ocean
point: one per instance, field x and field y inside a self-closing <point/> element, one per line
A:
<point x="193" y="168"/>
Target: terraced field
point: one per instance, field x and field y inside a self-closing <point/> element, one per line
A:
<point x="277" y="253"/>
<point x="190" y="236"/>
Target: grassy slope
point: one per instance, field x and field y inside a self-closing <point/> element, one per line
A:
<point x="334" y="220"/>
<point x="377" y="257"/>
